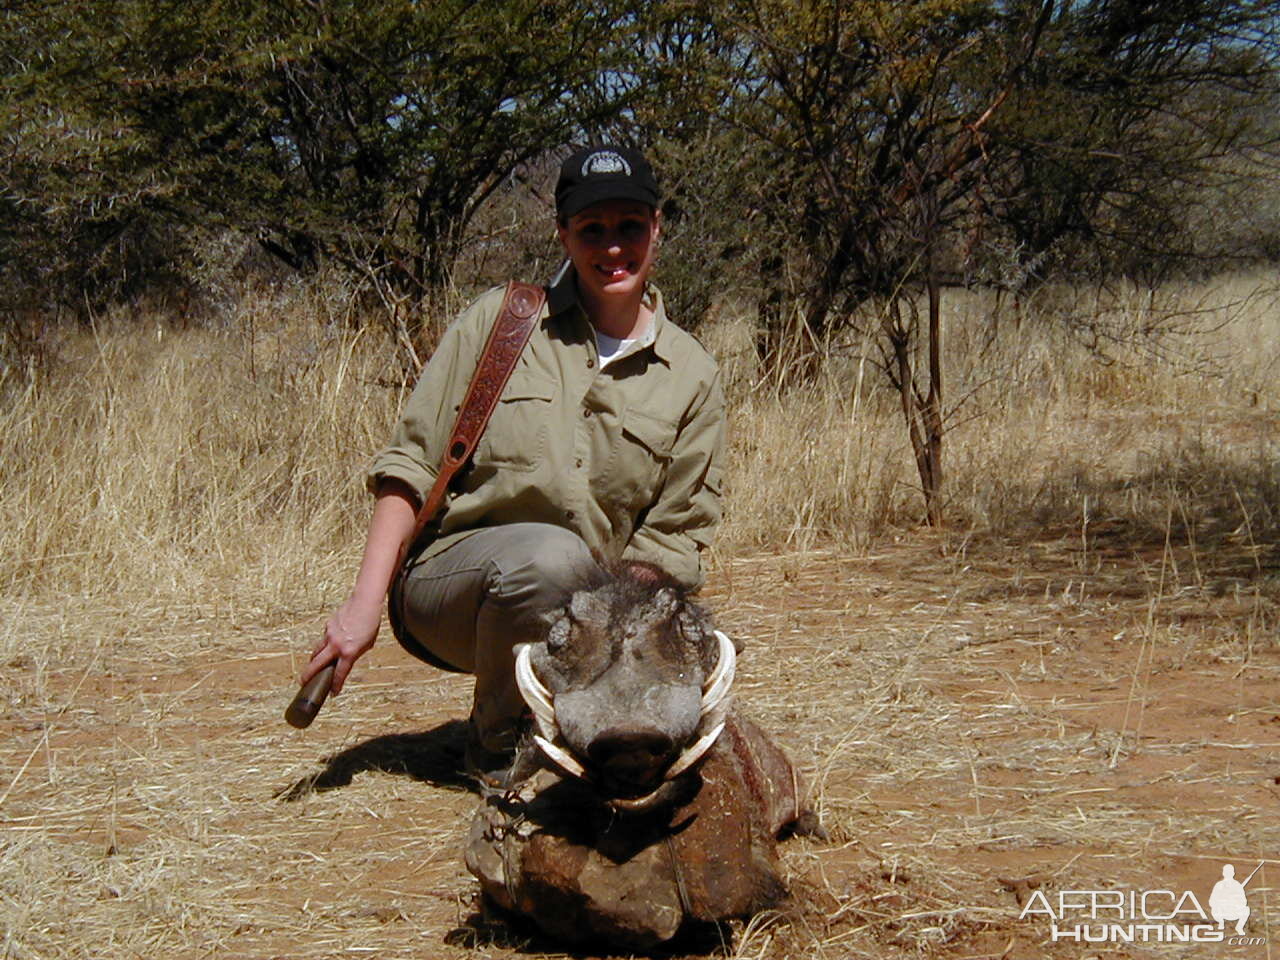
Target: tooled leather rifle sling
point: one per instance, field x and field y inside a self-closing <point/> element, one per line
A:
<point x="511" y="331"/>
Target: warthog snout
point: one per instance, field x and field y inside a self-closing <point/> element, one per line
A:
<point x="631" y="756"/>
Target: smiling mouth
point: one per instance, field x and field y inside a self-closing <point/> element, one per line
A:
<point x="614" y="273"/>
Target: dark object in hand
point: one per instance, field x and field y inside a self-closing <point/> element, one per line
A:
<point x="310" y="699"/>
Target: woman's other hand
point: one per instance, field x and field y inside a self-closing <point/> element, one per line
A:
<point x="348" y="635"/>
<point x="351" y="630"/>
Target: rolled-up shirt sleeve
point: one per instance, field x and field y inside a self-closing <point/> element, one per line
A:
<point x="681" y="523"/>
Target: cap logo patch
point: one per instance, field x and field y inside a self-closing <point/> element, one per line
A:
<point x="605" y="162"/>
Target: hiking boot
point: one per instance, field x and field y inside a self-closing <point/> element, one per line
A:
<point x="489" y="755"/>
<point x="492" y="768"/>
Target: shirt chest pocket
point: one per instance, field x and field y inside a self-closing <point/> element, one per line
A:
<point x="643" y="454"/>
<point x="516" y="436"/>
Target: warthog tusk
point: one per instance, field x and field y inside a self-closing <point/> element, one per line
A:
<point x="717" y="685"/>
<point x="694" y="753"/>
<point x="640" y="804"/>
<point x="537" y="696"/>
<point x="561" y="758"/>
<point x="539" y="699"/>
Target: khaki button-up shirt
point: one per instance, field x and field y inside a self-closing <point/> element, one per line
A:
<point x="628" y="457"/>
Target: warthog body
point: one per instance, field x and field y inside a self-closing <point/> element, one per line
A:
<point x="642" y="801"/>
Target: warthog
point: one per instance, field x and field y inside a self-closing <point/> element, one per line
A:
<point x="641" y="800"/>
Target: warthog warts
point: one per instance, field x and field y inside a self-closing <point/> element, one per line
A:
<point x="642" y="800"/>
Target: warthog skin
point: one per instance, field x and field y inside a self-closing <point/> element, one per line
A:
<point x="620" y="851"/>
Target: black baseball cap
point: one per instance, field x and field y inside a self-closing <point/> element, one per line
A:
<point x="593" y="174"/>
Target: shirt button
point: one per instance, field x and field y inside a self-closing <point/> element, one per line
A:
<point x="568" y="514"/>
<point x="578" y="463"/>
<point x="586" y="413"/>
<point x="590" y="363"/>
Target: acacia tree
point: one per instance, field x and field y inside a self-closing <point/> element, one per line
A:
<point x="875" y="114"/>
<point x="71" y="202"/>
<point x="1134" y="113"/>
<point x="897" y="139"/>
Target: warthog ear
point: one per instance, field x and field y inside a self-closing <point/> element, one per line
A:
<point x="665" y="603"/>
<point x="588" y="606"/>
<point x="696" y="627"/>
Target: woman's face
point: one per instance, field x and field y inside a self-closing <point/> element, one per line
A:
<point x="612" y="246"/>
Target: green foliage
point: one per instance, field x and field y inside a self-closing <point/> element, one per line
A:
<point x="70" y="191"/>
<point x="1116" y="139"/>
<point x="882" y="150"/>
<point x="368" y="132"/>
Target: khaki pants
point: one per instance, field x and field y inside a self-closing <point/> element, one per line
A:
<point x="469" y="605"/>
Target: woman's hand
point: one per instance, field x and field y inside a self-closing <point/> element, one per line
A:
<point x="353" y="627"/>
<point x="348" y="635"/>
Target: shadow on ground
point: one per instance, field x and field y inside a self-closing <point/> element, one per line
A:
<point x="1224" y="505"/>
<point x="434" y="756"/>
<point x="495" y="927"/>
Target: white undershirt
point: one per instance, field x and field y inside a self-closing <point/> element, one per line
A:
<point x="612" y="348"/>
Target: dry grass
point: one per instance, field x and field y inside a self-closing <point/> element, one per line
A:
<point x="1053" y="421"/>
<point x="1072" y="687"/>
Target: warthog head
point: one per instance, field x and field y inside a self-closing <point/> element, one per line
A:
<point x="629" y="689"/>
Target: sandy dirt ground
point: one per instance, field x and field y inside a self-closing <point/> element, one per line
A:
<point x="983" y="726"/>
